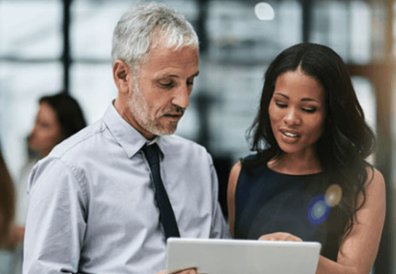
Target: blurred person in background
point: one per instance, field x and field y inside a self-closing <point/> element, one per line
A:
<point x="309" y="179"/>
<point x="59" y="116"/>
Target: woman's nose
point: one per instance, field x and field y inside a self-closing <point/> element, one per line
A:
<point x="292" y="117"/>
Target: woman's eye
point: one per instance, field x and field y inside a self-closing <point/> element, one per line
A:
<point x="309" y="110"/>
<point x="190" y="83"/>
<point x="45" y="125"/>
<point x="281" y="105"/>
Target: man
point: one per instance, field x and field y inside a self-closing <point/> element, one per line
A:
<point x="93" y="206"/>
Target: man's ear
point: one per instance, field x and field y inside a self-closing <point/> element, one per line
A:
<point x="122" y="75"/>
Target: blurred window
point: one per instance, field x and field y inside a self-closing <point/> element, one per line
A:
<point x="345" y="26"/>
<point x="227" y="91"/>
<point x="30" y="48"/>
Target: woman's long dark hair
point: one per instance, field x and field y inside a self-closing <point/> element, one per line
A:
<point x="347" y="139"/>
<point x="7" y="200"/>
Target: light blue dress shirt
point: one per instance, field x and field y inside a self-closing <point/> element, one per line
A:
<point x="92" y="207"/>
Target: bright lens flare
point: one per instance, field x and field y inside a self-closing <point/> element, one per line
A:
<point x="320" y="206"/>
<point x="264" y="11"/>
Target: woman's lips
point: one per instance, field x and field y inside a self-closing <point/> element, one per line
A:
<point x="290" y="133"/>
<point x="290" y="136"/>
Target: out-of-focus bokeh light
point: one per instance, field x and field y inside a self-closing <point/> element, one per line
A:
<point x="264" y="11"/>
<point x="318" y="210"/>
<point x="333" y="195"/>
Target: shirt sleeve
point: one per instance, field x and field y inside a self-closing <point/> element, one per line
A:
<point x="56" y="219"/>
<point x="219" y="225"/>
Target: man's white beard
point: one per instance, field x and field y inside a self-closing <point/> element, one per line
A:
<point x="141" y="110"/>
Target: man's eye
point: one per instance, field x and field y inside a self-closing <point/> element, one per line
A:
<point x="166" y="84"/>
<point x="190" y="83"/>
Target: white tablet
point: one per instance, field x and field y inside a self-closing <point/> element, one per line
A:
<point x="215" y="256"/>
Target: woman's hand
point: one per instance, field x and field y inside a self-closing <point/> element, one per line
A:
<point x="280" y="236"/>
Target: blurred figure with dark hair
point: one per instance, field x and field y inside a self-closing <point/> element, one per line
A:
<point x="59" y="116"/>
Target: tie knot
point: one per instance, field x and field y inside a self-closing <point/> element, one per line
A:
<point x="152" y="153"/>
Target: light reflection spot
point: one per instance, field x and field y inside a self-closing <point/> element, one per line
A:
<point x="333" y="195"/>
<point x="264" y="11"/>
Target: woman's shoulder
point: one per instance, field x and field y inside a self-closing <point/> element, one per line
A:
<point x="237" y="167"/>
<point x="375" y="180"/>
<point x="375" y="192"/>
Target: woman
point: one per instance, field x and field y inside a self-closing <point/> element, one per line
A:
<point x="59" y="116"/>
<point x="309" y="179"/>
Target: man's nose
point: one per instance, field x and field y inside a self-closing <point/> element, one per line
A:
<point x="181" y="97"/>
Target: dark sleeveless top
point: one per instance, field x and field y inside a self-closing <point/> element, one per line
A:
<point x="268" y="202"/>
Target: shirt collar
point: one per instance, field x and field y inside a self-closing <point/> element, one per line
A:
<point x="125" y="134"/>
<point x="150" y="142"/>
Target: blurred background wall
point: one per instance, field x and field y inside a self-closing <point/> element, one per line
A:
<point x="47" y="46"/>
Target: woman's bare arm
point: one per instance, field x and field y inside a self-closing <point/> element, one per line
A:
<point x="232" y="182"/>
<point x="359" y="249"/>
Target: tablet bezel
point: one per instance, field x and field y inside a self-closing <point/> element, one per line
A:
<point x="227" y="256"/>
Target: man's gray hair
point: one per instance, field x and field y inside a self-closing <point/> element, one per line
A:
<point x="145" y="24"/>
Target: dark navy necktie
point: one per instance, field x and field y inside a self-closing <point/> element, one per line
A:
<point x="167" y="216"/>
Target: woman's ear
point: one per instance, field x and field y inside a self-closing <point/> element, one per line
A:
<point x="122" y="75"/>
